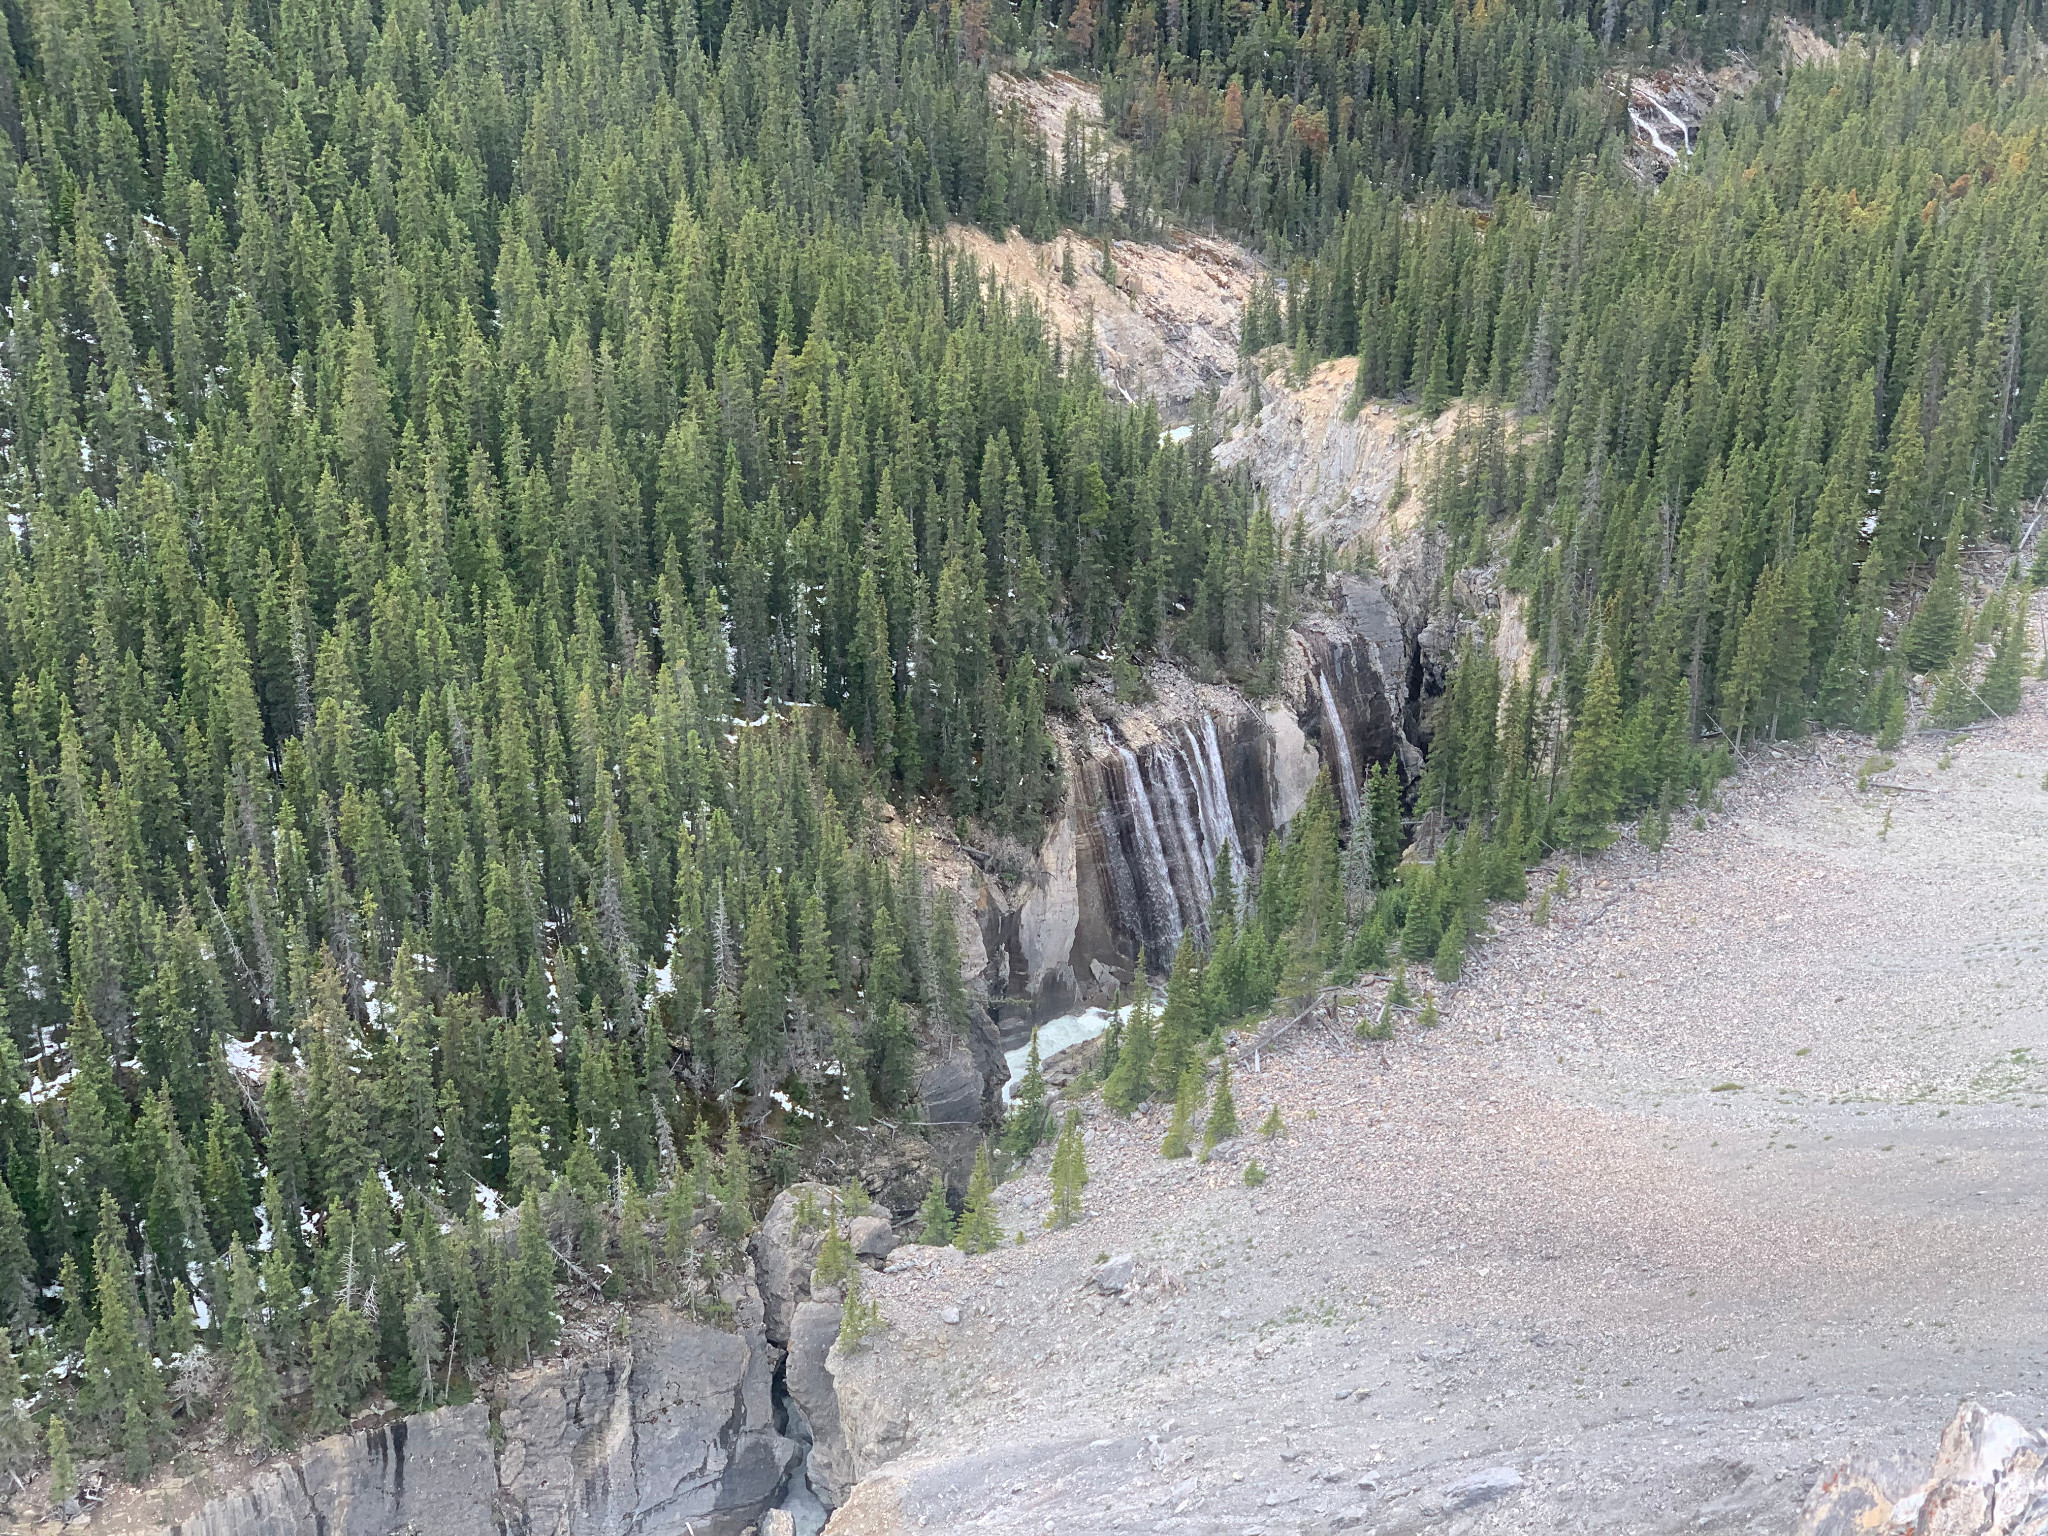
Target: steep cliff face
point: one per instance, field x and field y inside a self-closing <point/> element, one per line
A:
<point x="672" y="1433"/>
<point x="1155" y="790"/>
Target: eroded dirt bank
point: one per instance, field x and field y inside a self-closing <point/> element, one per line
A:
<point x="1731" y="1169"/>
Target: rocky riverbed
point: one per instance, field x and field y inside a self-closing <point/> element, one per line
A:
<point x="1729" y="1170"/>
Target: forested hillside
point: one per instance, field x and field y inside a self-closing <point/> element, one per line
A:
<point x="503" y="498"/>
<point x="438" y="445"/>
<point x="1739" y="431"/>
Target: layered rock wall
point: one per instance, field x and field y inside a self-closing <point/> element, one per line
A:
<point x="674" y="1432"/>
<point x="1156" y="790"/>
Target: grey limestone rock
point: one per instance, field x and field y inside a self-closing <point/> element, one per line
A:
<point x="808" y="1375"/>
<point x="785" y="1257"/>
<point x="1114" y="1276"/>
<point x="673" y="1432"/>
<point x="871" y="1236"/>
<point x="430" y="1472"/>
<point x="1480" y="1487"/>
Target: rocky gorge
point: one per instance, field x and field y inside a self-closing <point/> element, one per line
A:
<point x="1156" y="789"/>
<point x="681" y="1426"/>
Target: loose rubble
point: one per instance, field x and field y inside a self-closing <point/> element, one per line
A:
<point x="1726" y="1172"/>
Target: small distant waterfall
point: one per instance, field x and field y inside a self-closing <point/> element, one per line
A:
<point x="1340" y="743"/>
<point x="1195" y="870"/>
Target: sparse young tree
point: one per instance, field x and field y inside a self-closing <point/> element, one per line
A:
<point x="1069" y="1175"/>
<point x="1222" y="1123"/>
<point x="977" y="1231"/>
<point x="1187" y="1104"/>
<point x="935" y="1216"/>
<point x="1029" y="1114"/>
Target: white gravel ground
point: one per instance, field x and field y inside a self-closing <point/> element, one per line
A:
<point x="1735" y="1167"/>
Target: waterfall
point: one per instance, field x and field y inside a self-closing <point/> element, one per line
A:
<point x="1195" y="866"/>
<point x="1216" y="812"/>
<point x="1346" y="775"/>
<point x="1123" y="880"/>
<point x="1152" y="855"/>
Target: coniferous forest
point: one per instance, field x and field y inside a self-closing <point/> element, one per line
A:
<point x="514" y="508"/>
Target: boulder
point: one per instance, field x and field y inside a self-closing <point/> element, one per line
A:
<point x="785" y="1257"/>
<point x="872" y="1237"/>
<point x="1990" y="1478"/>
<point x="1482" y="1487"/>
<point x="1114" y="1276"/>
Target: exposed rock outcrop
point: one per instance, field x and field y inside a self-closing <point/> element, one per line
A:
<point x="829" y="1465"/>
<point x="785" y="1257"/>
<point x="1156" y="789"/>
<point x="431" y="1472"/>
<point x="1332" y="469"/>
<point x="1990" y="1478"/>
<point x="1165" y="318"/>
<point x="673" y="1432"/>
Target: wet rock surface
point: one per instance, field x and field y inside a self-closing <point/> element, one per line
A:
<point x="1156" y="789"/>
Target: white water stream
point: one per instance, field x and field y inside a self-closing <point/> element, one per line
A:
<point x="1157" y="872"/>
<point x="1347" y="776"/>
<point x="1056" y="1035"/>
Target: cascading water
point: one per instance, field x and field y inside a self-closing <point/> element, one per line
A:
<point x="1340" y="743"/>
<point x="1195" y="865"/>
<point x="1157" y="888"/>
<point x="1216" y="811"/>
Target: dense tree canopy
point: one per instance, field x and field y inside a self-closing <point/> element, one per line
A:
<point x="499" y="497"/>
<point x="515" y="511"/>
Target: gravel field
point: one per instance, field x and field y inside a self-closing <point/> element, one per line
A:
<point x="1734" y="1167"/>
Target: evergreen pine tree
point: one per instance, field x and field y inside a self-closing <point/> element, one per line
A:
<point x="1931" y="636"/>
<point x="1029" y="1113"/>
<point x="1222" y="1112"/>
<point x="1131" y="1080"/>
<point x="1069" y="1175"/>
<point x="1182" y="1022"/>
<point x="423" y="1343"/>
<point x="860" y="1315"/>
<point x="2004" y="676"/>
<point x="344" y="1349"/>
<point x="1383" y="800"/>
<point x="63" y="1476"/>
<point x="1186" y="1105"/>
<point x="835" y="1256"/>
<point x="1593" y="791"/>
<point x="935" y="1216"/>
<point x="533" y="1280"/>
<point x="977" y="1231"/>
<point x="735" y="1219"/>
<point x="1888" y="709"/>
<point x="1272" y="1125"/>
<point x="1449" y="959"/>
<point x="254" y="1398"/>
